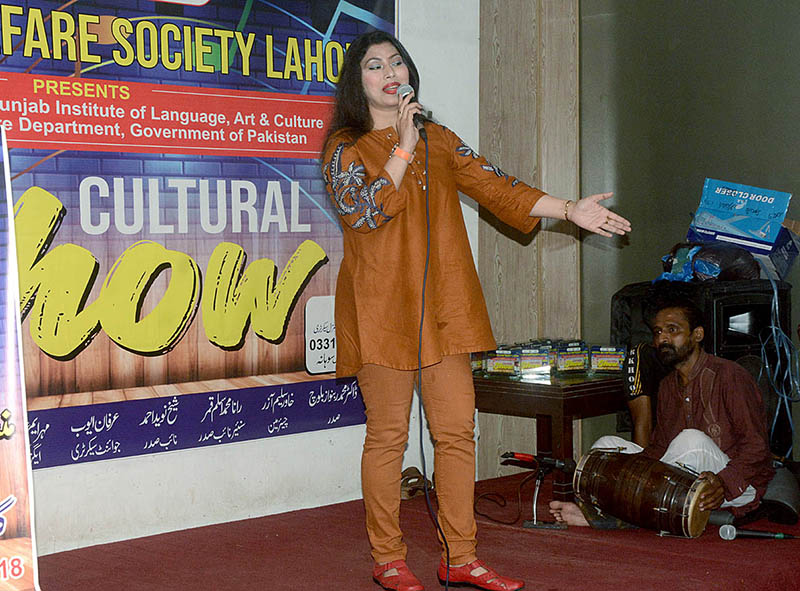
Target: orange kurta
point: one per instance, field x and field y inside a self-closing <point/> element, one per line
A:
<point x="379" y="288"/>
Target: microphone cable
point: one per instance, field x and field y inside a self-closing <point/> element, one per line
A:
<point x="501" y="501"/>
<point x="783" y="375"/>
<point x="431" y="513"/>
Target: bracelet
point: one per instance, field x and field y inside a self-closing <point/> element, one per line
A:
<point x="401" y="154"/>
<point x="566" y="209"/>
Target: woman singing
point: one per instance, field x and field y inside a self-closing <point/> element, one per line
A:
<point x="374" y="169"/>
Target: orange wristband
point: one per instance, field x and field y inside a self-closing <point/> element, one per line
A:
<point x="401" y="154"/>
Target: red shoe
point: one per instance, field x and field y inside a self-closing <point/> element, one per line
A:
<point x="404" y="580"/>
<point x="461" y="576"/>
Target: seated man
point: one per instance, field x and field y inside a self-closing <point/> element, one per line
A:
<point x="711" y="418"/>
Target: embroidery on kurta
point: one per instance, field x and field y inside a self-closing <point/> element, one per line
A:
<point x="465" y="151"/>
<point x="352" y="196"/>
<point x="492" y="168"/>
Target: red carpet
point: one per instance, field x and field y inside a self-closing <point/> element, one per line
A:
<point x="326" y="548"/>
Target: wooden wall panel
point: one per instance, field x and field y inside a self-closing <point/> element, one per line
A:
<point x="559" y="166"/>
<point x="529" y="128"/>
<point x="508" y="138"/>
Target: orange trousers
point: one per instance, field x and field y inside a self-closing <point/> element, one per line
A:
<point x="449" y="400"/>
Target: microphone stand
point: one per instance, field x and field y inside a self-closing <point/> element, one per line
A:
<point x="535" y="524"/>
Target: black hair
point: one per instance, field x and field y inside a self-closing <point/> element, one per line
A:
<point x="350" y="110"/>
<point x="668" y="294"/>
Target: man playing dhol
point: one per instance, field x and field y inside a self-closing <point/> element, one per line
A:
<point x="710" y="419"/>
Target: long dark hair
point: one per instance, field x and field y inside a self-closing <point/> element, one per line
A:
<point x="351" y="111"/>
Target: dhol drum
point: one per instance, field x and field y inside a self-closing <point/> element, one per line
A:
<point x="641" y="491"/>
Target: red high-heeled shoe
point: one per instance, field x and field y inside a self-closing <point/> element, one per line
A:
<point x="461" y="576"/>
<point x="404" y="580"/>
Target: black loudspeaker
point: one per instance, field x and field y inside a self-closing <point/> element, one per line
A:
<point x="738" y="318"/>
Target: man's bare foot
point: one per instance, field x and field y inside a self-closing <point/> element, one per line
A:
<point x="568" y="513"/>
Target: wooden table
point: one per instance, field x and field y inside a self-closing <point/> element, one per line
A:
<point x="554" y="400"/>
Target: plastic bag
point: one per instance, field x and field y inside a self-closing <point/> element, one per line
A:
<point x="693" y="261"/>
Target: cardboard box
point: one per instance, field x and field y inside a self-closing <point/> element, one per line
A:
<point x="607" y="358"/>
<point x="502" y="361"/>
<point x="573" y="357"/>
<point x="534" y="360"/>
<point x="749" y="217"/>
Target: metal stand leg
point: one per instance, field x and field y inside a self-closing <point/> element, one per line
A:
<point x="535" y="524"/>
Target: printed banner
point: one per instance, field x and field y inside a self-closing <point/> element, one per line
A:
<point x="174" y="236"/>
<point x="50" y="112"/>
<point x="78" y="434"/>
<point x="17" y="548"/>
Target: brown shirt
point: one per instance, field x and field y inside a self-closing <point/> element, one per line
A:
<point x="722" y="400"/>
<point x="379" y="288"/>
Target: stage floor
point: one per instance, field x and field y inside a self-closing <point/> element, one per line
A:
<point x="326" y="548"/>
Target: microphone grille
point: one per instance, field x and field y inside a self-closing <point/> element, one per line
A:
<point x="727" y="532"/>
<point x="404" y="89"/>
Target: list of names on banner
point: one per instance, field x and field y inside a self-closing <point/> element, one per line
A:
<point x="77" y="434"/>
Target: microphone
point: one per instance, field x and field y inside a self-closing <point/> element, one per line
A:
<point x="419" y="121"/>
<point x="729" y="532"/>
<point x="520" y="457"/>
<point x="566" y="466"/>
